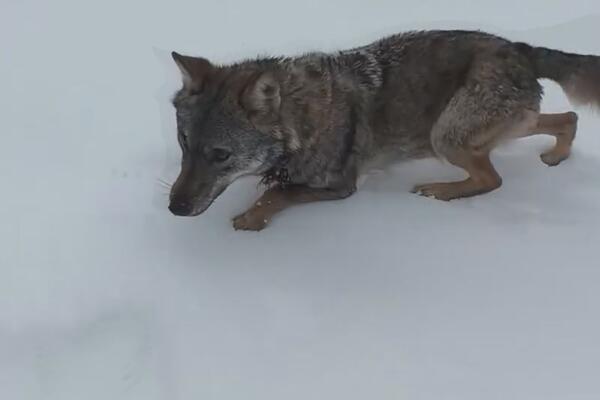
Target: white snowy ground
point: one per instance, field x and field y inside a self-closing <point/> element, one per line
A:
<point x="105" y="295"/>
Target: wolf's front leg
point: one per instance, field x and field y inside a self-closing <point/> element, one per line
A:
<point x="279" y="198"/>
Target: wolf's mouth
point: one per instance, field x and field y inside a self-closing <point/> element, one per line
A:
<point x="200" y="209"/>
<point x="203" y="205"/>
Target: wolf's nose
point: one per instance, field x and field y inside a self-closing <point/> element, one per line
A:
<point x="180" y="207"/>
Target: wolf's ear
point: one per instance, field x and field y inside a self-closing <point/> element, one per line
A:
<point x="193" y="69"/>
<point x="263" y="95"/>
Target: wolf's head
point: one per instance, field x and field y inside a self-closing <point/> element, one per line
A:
<point x="227" y="127"/>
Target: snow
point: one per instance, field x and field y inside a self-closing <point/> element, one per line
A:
<point x="386" y="295"/>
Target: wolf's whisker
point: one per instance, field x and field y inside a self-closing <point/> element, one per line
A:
<point x="164" y="183"/>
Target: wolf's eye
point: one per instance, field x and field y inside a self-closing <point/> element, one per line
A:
<point x="220" y="155"/>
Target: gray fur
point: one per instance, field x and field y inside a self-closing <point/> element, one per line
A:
<point x="578" y="75"/>
<point x="325" y="118"/>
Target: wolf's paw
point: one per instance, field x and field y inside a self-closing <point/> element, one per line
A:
<point x="553" y="158"/>
<point x="439" y="191"/>
<point x="250" y="221"/>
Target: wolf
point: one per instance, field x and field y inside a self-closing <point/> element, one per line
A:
<point x="311" y="125"/>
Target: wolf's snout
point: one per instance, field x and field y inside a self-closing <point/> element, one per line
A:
<point x="181" y="208"/>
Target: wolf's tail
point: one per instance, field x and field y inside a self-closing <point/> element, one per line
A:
<point x="578" y="75"/>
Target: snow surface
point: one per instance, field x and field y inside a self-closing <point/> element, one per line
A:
<point x="386" y="295"/>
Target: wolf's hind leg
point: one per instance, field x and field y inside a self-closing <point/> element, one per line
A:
<point x="465" y="134"/>
<point x="499" y="100"/>
<point x="563" y="127"/>
<point x="469" y="147"/>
